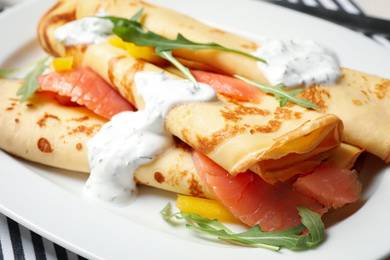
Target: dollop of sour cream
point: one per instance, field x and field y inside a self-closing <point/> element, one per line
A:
<point x="87" y="30"/>
<point x="132" y="139"/>
<point x="297" y="62"/>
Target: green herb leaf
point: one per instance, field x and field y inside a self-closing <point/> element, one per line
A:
<point x="254" y="237"/>
<point x="168" y="56"/>
<point x="140" y="38"/>
<point x="30" y="84"/>
<point x="125" y="23"/>
<point x="10" y="71"/>
<point x="6" y="72"/>
<point x="132" y="31"/>
<point x="313" y="223"/>
<point x="280" y="94"/>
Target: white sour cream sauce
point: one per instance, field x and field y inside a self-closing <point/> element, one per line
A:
<point x="87" y="30"/>
<point x="297" y="62"/>
<point x="132" y="139"/>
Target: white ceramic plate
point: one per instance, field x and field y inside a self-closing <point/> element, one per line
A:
<point x="49" y="201"/>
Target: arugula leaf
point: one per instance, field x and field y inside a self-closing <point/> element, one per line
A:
<point x="30" y="84"/>
<point x="10" y="71"/>
<point x="313" y="224"/>
<point x="279" y="93"/>
<point x="140" y="38"/>
<point x="168" y="56"/>
<point x="254" y="237"/>
<point x="131" y="31"/>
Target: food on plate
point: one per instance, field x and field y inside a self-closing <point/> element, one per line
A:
<point x="355" y="91"/>
<point x="200" y="120"/>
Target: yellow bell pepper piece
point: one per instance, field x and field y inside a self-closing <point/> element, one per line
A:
<point x="205" y="208"/>
<point x="63" y="63"/>
<point x="138" y="52"/>
<point x="116" y="41"/>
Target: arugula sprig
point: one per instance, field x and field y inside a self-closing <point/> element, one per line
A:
<point x="30" y="84"/>
<point x="254" y="237"/>
<point x="280" y="94"/>
<point x="130" y="30"/>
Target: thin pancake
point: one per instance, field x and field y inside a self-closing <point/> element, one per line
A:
<point x="362" y="102"/>
<point x="43" y="131"/>
<point x="354" y="99"/>
<point x="256" y="136"/>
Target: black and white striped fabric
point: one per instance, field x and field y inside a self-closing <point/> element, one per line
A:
<point x="343" y="12"/>
<point x="19" y="243"/>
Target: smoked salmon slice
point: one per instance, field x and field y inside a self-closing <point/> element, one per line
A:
<point x="330" y="185"/>
<point x="229" y="86"/>
<point x="87" y="88"/>
<point x="252" y="200"/>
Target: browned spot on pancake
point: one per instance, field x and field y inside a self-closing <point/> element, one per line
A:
<point x="140" y="182"/>
<point x="29" y="105"/>
<point x="81" y="119"/>
<point x="189" y="26"/>
<point x="145" y="4"/>
<point x="271" y="127"/>
<point x="182" y="145"/>
<point x="128" y="80"/>
<point x="87" y="130"/>
<point x="252" y="46"/>
<point x="357" y="102"/>
<point x="366" y="94"/>
<point x="44" y="145"/>
<point x="16" y="120"/>
<point x="218" y="31"/>
<point x="111" y="65"/>
<point x="159" y="177"/>
<point x="287" y="114"/>
<point x="195" y="188"/>
<point x="58" y="19"/>
<point x="77" y="52"/>
<point x="316" y="95"/>
<point x="240" y="110"/>
<point x="9" y="108"/>
<point x="382" y="89"/>
<point x="42" y="122"/>
<point x="79" y="146"/>
<point x="207" y="144"/>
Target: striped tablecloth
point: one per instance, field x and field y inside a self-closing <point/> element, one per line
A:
<point x="17" y="242"/>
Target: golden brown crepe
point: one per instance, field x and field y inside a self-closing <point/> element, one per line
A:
<point x="362" y="101"/>
<point x="358" y="99"/>
<point x="43" y="131"/>
<point x="274" y="142"/>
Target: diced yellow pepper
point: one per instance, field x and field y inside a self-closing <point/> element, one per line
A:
<point x="205" y="208"/>
<point x="63" y="63"/>
<point x="116" y="41"/>
<point x="138" y="52"/>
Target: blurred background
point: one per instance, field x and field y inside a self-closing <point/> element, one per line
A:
<point x="369" y="17"/>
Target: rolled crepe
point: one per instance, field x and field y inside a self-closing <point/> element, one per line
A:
<point x="43" y="131"/>
<point x="274" y="142"/>
<point x="169" y="23"/>
<point x="360" y="100"/>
